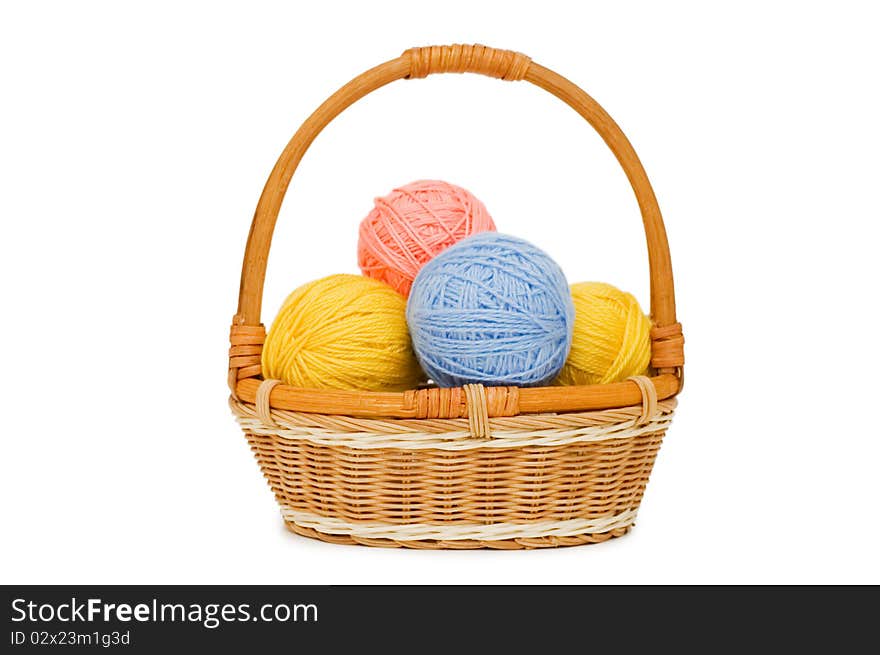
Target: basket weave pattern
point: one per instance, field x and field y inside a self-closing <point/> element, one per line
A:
<point x="541" y="480"/>
<point x="469" y="467"/>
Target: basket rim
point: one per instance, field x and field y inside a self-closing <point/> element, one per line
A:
<point x="528" y="430"/>
<point x="453" y="402"/>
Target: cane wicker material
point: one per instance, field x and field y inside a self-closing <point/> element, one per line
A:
<point x="539" y="480"/>
<point x="469" y="467"/>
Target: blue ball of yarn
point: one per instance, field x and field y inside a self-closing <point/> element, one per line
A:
<point x="491" y="309"/>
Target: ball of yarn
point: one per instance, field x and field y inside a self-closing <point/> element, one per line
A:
<point x="342" y="332"/>
<point x="413" y="224"/>
<point x="492" y="309"/>
<point x="612" y="336"/>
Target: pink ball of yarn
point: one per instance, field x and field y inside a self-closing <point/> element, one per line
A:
<point x="414" y="223"/>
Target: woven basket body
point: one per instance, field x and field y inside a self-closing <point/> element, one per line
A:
<point x="539" y="480"/>
<point x="469" y="467"/>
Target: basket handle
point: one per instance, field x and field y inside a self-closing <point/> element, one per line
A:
<point x="667" y="341"/>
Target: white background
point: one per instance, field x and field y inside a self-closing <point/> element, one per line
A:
<point x="134" y="143"/>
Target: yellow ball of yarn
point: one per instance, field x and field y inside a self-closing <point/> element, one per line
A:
<point x="612" y="336"/>
<point x="342" y="332"/>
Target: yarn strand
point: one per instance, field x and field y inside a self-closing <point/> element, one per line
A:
<point x="492" y="309"/>
<point x="414" y="223"/>
<point x="342" y="332"/>
<point x="611" y="340"/>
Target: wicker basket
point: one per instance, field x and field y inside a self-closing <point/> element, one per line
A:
<point x="470" y="467"/>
